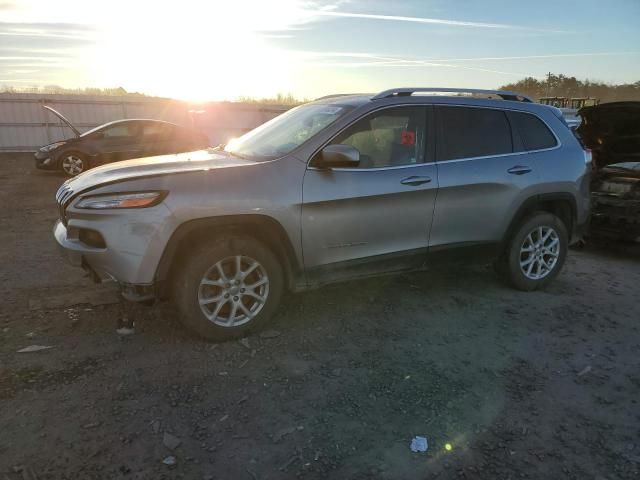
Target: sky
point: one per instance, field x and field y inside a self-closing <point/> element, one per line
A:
<point x="225" y="49"/>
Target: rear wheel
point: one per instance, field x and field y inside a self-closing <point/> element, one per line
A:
<point x="228" y="288"/>
<point x="73" y="163"/>
<point x="536" y="252"/>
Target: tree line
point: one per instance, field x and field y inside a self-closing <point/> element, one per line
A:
<point x="279" y="99"/>
<point x="57" y="90"/>
<point x="558" y="85"/>
<point x="554" y="85"/>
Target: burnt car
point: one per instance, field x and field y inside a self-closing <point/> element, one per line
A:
<point x="612" y="132"/>
<point x="116" y="141"/>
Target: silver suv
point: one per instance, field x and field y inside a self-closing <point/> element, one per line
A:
<point x="343" y="187"/>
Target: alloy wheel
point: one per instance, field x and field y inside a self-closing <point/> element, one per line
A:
<point x="72" y="165"/>
<point x="539" y="252"/>
<point x="233" y="291"/>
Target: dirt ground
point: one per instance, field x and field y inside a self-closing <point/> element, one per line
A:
<point x="518" y="385"/>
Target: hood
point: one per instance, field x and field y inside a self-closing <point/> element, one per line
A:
<point x="201" y="160"/>
<point x="612" y="132"/>
<point x="63" y="118"/>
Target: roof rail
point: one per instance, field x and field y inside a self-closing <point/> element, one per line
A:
<point x="406" y="92"/>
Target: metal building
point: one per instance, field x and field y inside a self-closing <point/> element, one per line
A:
<point x="26" y="126"/>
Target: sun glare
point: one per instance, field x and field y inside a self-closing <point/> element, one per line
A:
<point x="209" y="51"/>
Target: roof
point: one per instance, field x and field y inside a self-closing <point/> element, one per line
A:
<point x="358" y="99"/>
<point x="124" y="120"/>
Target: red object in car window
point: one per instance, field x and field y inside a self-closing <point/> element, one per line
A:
<point x="408" y="137"/>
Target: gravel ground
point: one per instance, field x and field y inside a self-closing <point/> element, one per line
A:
<point x="518" y="385"/>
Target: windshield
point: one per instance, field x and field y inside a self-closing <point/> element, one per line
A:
<point x="93" y="130"/>
<point x="286" y="132"/>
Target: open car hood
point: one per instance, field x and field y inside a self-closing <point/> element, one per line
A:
<point x="62" y="117"/>
<point x="612" y="132"/>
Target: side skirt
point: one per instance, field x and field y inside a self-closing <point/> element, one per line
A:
<point x="414" y="260"/>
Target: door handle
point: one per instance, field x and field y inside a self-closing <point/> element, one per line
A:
<point x="519" y="170"/>
<point x="415" y="180"/>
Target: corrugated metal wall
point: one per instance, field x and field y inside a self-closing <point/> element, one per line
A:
<point x="26" y="126"/>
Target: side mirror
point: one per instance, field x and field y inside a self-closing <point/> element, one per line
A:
<point x="337" y="156"/>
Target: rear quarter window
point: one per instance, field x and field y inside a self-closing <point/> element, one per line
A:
<point x="535" y="135"/>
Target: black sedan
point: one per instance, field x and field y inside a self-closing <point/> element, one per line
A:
<point x="115" y="141"/>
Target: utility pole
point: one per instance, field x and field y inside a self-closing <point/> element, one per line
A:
<point x="548" y="84"/>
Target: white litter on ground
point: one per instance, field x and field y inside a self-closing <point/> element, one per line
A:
<point x="34" y="348"/>
<point x="419" y="444"/>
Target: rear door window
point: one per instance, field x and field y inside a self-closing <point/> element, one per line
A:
<point x="468" y="132"/>
<point x="535" y="135"/>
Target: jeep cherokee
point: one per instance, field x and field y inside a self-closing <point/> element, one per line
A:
<point x="343" y="187"/>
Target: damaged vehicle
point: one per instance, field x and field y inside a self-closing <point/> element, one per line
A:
<point x="612" y="132"/>
<point x="116" y="141"/>
<point x="339" y="189"/>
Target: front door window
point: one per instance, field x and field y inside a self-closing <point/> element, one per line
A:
<point x="390" y="137"/>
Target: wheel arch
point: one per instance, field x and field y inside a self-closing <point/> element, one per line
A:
<point x="261" y="227"/>
<point x="68" y="151"/>
<point x="561" y="204"/>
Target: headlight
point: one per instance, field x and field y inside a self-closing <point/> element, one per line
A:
<point x="121" y="200"/>
<point x="53" y="146"/>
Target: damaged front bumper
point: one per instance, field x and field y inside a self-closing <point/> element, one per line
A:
<point x="77" y="254"/>
<point x="70" y="249"/>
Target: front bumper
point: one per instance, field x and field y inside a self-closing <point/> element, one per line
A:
<point x="131" y="242"/>
<point x="68" y="250"/>
<point x="44" y="161"/>
<point x="73" y="251"/>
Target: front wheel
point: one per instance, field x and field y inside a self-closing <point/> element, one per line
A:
<point x="73" y="164"/>
<point x="229" y="287"/>
<point x="536" y="252"/>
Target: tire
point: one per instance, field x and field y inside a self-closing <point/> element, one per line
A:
<point x="73" y="163"/>
<point x="525" y="264"/>
<point x="210" y="272"/>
